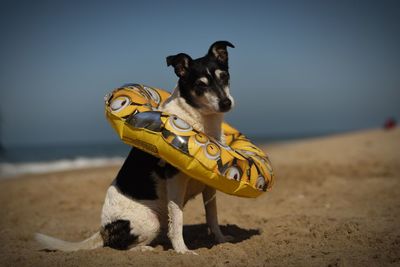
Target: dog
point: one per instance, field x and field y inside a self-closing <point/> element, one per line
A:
<point x="148" y="195"/>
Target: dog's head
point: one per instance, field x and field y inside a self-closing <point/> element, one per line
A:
<point x="204" y="82"/>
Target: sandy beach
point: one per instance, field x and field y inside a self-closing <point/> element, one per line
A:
<point x="336" y="202"/>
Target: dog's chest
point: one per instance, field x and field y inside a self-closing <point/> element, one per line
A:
<point x="209" y="124"/>
<point x="194" y="187"/>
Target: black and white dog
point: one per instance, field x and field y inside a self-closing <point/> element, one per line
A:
<point x="148" y="195"/>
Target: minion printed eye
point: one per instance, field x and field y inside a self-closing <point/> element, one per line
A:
<point x="153" y="94"/>
<point x="233" y="173"/>
<point x="212" y="151"/>
<point x="201" y="139"/>
<point x="119" y="103"/>
<point x="260" y="184"/>
<point x="179" y="124"/>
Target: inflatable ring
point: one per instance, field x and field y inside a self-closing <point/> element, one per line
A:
<point x="237" y="167"/>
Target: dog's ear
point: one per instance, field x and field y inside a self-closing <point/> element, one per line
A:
<point x="218" y="50"/>
<point x="181" y="63"/>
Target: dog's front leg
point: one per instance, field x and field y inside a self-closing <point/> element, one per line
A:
<point x="176" y="189"/>
<point x="210" y="205"/>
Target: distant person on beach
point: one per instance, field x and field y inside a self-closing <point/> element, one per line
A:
<point x="390" y="123"/>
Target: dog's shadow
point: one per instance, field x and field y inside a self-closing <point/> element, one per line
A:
<point x="198" y="236"/>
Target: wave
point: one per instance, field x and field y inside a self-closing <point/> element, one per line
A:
<point x="8" y="170"/>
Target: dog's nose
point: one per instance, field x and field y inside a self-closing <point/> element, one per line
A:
<point x="225" y="104"/>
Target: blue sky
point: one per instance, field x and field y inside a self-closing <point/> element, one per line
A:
<point x="299" y="67"/>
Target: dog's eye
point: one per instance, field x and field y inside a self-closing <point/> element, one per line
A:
<point x="224" y="76"/>
<point x="199" y="91"/>
<point x="201" y="84"/>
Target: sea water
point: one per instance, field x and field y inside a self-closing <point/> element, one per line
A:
<point x="16" y="160"/>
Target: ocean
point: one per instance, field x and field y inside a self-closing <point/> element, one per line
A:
<point x="17" y="160"/>
<point x="31" y="159"/>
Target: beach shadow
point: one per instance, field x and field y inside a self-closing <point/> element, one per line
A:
<point x="198" y="236"/>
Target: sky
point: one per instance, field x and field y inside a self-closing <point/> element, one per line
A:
<point x="298" y="67"/>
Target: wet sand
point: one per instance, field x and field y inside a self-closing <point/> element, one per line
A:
<point x="336" y="202"/>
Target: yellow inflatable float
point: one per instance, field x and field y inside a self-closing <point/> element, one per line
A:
<point x="237" y="167"/>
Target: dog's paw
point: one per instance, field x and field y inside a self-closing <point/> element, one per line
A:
<point x="187" y="252"/>
<point x="142" y="248"/>
<point x="224" y="239"/>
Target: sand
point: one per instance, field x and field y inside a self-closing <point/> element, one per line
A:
<point x="336" y="202"/>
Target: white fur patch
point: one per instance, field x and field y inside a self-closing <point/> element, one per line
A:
<point x="218" y="73"/>
<point x="142" y="215"/>
<point x="204" y="80"/>
<point x="178" y="106"/>
<point x="215" y="51"/>
<point x="228" y="95"/>
<point x="211" y="100"/>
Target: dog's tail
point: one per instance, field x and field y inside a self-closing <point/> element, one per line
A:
<point x="51" y="243"/>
